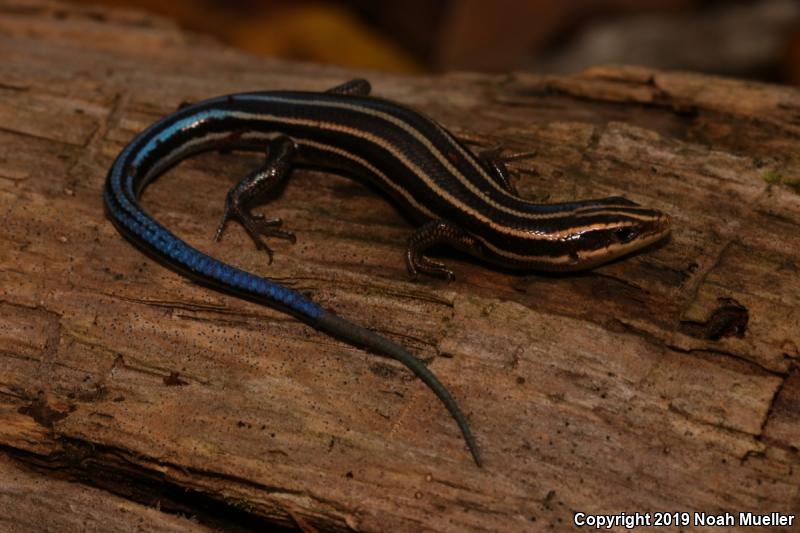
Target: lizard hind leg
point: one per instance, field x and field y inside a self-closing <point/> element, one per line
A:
<point x="257" y="185"/>
<point x="355" y="87"/>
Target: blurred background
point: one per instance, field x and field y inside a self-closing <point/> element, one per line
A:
<point x="756" y="39"/>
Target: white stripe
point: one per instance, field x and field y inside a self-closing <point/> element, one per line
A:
<point x="584" y="256"/>
<point x="177" y="154"/>
<point x="379" y="141"/>
<point x="394" y="185"/>
<point x="419" y="137"/>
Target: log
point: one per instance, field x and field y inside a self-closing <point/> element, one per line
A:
<point x="71" y="507"/>
<point x="666" y="381"/>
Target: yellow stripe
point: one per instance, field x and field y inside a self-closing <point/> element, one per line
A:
<point x="584" y="256"/>
<point x="380" y="141"/>
<point x="344" y="153"/>
<point x="431" y="148"/>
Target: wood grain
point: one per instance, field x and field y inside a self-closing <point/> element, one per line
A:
<point x="663" y="382"/>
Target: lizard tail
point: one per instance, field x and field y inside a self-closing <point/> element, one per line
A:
<point x="359" y="336"/>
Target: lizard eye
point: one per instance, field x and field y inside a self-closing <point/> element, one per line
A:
<point x="624" y="235"/>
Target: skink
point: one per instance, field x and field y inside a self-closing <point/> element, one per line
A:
<point x="459" y="199"/>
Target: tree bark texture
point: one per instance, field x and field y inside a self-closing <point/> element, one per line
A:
<point x="666" y="381"/>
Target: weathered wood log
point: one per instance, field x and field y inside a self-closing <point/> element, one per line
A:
<point x="666" y="381"/>
<point x="33" y="502"/>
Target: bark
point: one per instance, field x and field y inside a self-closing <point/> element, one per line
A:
<point x="666" y="381"/>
